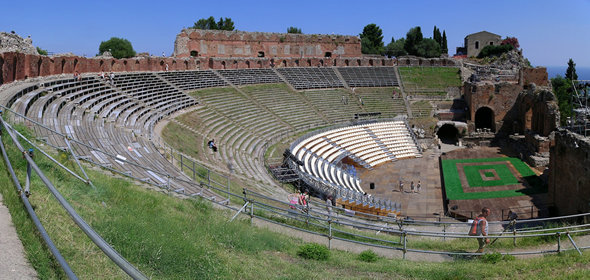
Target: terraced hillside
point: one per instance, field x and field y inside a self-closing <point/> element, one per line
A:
<point x="240" y="128"/>
<point x="380" y="100"/>
<point x="336" y="104"/>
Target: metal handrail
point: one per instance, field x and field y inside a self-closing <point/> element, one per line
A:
<point x="95" y="237"/>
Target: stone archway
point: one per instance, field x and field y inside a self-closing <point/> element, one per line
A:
<point x="223" y="65"/>
<point x="448" y="134"/>
<point x="39" y="64"/>
<point x="247" y="64"/>
<point x="485" y="118"/>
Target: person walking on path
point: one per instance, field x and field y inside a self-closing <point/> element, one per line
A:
<point x="419" y="187"/>
<point x="329" y="205"/>
<point x="479" y="227"/>
<point x="412" y="187"/>
<point x="401" y="186"/>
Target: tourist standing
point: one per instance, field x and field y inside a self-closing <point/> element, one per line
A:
<point x="479" y="227"/>
<point x="329" y="205"/>
<point x="419" y="187"/>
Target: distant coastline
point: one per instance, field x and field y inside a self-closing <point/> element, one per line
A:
<point x="583" y="72"/>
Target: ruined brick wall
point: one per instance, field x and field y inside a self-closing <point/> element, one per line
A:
<point x="538" y="111"/>
<point x="569" y="173"/>
<point x="516" y="107"/>
<point x="219" y="43"/>
<point x="537" y="76"/>
<point x="19" y="66"/>
<point x="500" y="98"/>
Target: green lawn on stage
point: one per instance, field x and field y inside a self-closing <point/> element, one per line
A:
<point x="454" y="190"/>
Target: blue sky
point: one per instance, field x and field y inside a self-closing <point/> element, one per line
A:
<point x="550" y="32"/>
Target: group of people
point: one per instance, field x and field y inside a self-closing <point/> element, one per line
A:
<point x="110" y="77"/>
<point x="303" y="200"/>
<point x="413" y="188"/>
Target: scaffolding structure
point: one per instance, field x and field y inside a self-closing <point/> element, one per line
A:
<point x="580" y="114"/>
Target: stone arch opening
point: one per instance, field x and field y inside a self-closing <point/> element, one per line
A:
<point x="448" y="134"/>
<point x="63" y="65"/>
<point x="211" y="64"/>
<point x="358" y="62"/>
<point x="186" y="65"/>
<point x="476" y="45"/>
<point x="528" y="119"/>
<point x="112" y="64"/>
<point x="370" y="62"/>
<point x="14" y="61"/>
<point x="39" y="63"/>
<point x="309" y="63"/>
<point x="321" y="62"/>
<point x="259" y="64"/>
<point x="484" y="118"/>
<point x="235" y="64"/>
<point x="75" y="65"/>
<point x="194" y="53"/>
<point x="223" y="65"/>
<point x="284" y="63"/>
<point x="248" y="64"/>
<point x="1" y="70"/>
<point x="334" y="62"/>
<point x="297" y="62"/>
<point x="260" y="54"/>
<point x="408" y="62"/>
<point x="328" y="54"/>
<point x="346" y="62"/>
<point x="198" y="63"/>
<point x="420" y="62"/>
<point x="101" y="63"/>
<point x="432" y="62"/>
<point x="382" y="62"/>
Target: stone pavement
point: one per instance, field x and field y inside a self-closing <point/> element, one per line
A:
<point x="13" y="264"/>
<point x="427" y="205"/>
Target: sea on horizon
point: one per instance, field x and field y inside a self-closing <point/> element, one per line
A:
<point x="583" y="72"/>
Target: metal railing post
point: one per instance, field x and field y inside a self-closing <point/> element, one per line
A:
<point x="228" y="193"/>
<point x="330" y="231"/>
<point x="194" y="170"/>
<point x="573" y="243"/>
<point x="558" y="242"/>
<point x="251" y="213"/>
<point x="405" y="238"/>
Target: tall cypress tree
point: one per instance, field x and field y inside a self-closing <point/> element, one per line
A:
<point x="444" y="46"/>
<point x="570" y="73"/>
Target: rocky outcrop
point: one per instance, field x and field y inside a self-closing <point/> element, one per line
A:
<point x="11" y="42"/>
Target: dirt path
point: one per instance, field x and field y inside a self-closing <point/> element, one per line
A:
<point x="13" y="264"/>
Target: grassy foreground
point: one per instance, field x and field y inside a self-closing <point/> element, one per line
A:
<point x="171" y="238"/>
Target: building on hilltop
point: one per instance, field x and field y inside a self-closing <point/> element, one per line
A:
<point x="475" y="42"/>
<point x="220" y="43"/>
